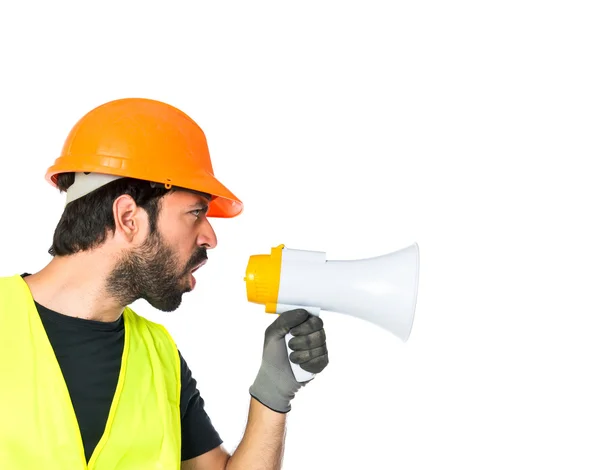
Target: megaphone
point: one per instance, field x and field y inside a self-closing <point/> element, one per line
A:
<point x="381" y="290"/>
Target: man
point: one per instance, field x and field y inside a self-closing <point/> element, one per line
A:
<point x="86" y="382"/>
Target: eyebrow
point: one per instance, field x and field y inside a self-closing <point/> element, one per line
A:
<point x="200" y="205"/>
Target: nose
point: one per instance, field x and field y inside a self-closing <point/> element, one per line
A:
<point x="206" y="235"/>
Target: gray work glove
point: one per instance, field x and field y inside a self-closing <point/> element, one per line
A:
<point x="275" y="385"/>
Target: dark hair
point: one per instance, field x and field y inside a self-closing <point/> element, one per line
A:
<point x="86" y="221"/>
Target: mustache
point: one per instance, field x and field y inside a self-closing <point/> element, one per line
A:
<point x="198" y="257"/>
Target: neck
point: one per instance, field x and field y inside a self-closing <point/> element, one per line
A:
<point x="76" y="286"/>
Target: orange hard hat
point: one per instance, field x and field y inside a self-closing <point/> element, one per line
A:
<point x="148" y="140"/>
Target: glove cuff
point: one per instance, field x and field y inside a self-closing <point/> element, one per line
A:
<point x="267" y="392"/>
<point x="264" y="404"/>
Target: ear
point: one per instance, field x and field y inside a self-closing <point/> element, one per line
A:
<point x="130" y="219"/>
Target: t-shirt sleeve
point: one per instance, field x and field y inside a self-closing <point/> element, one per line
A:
<point x="198" y="434"/>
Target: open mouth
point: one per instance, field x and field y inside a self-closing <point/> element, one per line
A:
<point x="199" y="266"/>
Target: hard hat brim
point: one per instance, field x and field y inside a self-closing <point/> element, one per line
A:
<point x="223" y="205"/>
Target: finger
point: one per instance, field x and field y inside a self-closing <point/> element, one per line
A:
<point x="313" y="340"/>
<point x="286" y="321"/>
<point x="311" y="325"/>
<point x="316" y="365"/>
<point x="300" y="357"/>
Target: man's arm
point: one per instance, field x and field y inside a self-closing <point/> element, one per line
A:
<point x="261" y="447"/>
<point x="262" y="444"/>
<point x="215" y="459"/>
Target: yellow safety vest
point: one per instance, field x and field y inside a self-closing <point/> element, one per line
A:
<point x="38" y="427"/>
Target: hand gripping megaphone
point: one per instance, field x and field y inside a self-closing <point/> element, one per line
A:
<point x="381" y="290"/>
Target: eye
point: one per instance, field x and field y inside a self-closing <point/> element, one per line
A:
<point x="199" y="212"/>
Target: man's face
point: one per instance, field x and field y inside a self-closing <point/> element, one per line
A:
<point x="160" y="269"/>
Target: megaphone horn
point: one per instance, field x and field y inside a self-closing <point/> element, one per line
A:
<point x="381" y="290"/>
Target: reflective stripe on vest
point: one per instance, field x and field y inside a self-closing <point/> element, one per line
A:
<point x="38" y="427"/>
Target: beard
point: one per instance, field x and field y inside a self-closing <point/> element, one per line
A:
<point x="152" y="272"/>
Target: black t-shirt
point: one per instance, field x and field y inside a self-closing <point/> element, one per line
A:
<point x="89" y="354"/>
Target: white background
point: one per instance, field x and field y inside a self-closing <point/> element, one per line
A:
<point x="357" y="128"/>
